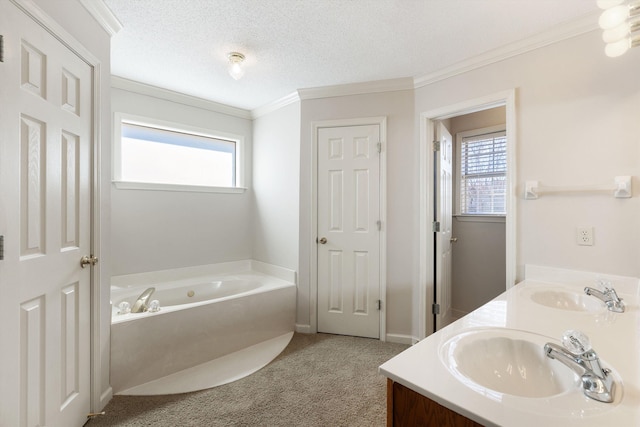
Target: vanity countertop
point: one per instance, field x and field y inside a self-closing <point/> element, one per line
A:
<point x="614" y="336"/>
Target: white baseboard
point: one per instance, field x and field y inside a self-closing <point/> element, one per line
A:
<point x="394" y="338"/>
<point x="105" y="397"/>
<point x="401" y="339"/>
<point x="304" y="329"/>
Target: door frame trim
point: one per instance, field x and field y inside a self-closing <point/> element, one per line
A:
<point x="97" y="398"/>
<point x="313" y="246"/>
<point x="426" y="283"/>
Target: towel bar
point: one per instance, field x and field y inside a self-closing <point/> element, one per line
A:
<point x="621" y="188"/>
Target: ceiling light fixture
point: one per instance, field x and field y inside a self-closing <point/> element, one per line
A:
<point x="621" y="25"/>
<point x="235" y="68"/>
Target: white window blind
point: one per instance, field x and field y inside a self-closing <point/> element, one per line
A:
<point x="483" y="169"/>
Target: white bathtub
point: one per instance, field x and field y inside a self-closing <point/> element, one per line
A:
<point x="216" y="324"/>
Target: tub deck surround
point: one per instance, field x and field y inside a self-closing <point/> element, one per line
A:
<point x="614" y="336"/>
<point x="222" y="339"/>
<point x="216" y="372"/>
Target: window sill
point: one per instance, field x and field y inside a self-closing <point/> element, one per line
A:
<point x="480" y="218"/>
<point x="127" y="185"/>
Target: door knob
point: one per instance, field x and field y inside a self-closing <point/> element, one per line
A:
<point x="88" y="260"/>
<point x="453" y="239"/>
<point x="322" y="241"/>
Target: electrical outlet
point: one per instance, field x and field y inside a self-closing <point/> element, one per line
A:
<point x="584" y="236"/>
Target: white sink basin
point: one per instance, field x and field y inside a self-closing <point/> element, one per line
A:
<point x="507" y="361"/>
<point x="564" y="299"/>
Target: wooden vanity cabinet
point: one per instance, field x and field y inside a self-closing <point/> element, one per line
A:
<point x="406" y="408"/>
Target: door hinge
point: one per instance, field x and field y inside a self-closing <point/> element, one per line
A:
<point x="436" y="226"/>
<point x="379" y="147"/>
<point x="1" y="248"/>
<point x="379" y="305"/>
<point x="1" y="48"/>
<point x="379" y="224"/>
<point x="436" y="145"/>
<point x="435" y="308"/>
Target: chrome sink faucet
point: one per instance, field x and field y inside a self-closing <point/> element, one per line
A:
<point x="141" y="303"/>
<point x="578" y="356"/>
<point x="608" y="295"/>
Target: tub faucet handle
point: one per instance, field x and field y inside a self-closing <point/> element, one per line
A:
<point x="124" y="308"/>
<point x="154" y="306"/>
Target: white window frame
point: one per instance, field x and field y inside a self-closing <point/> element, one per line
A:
<point x="176" y="127"/>
<point x="458" y="168"/>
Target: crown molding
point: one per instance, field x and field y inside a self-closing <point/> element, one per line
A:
<point x="333" y="91"/>
<point x="405" y="83"/>
<point x="567" y="30"/>
<point x="180" y="98"/>
<point x="105" y="17"/>
<point x="559" y="33"/>
<point x="275" y="105"/>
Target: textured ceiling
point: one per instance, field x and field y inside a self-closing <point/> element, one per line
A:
<point x="181" y="45"/>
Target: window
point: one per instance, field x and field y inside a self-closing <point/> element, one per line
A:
<point x="482" y="160"/>
<point x="153" y="155"/>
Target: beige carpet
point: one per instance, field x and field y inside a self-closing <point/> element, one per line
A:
<point x="318" y="380"/>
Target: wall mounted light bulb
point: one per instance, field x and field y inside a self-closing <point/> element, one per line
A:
<point x="614" y="34"/>
<point x="613" y="17"/>
<point x="618" y="48"/>
<point x="623" y="30"/>
<point x="620" y="22"/>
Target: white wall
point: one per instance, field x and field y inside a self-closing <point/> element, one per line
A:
<point x="78" y="22"/>
<point x="158" y="230"/>
<point x="577" y="123"/>
<point x="402" y="211"/>
<point x="276" y="186"/>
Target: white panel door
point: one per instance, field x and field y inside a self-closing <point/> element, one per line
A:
<point x="349" y="237"/>
<point x="443" y="214"/>
<point x="45" y="167"/>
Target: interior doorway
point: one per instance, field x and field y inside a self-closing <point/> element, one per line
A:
<point x="432" y="295"/>
<point x="477" y="229"/>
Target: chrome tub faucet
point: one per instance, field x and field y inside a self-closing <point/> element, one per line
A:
<point x="608" y="295"/>
<point x="578" y="356"/>
<point x="142" y="303"/>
